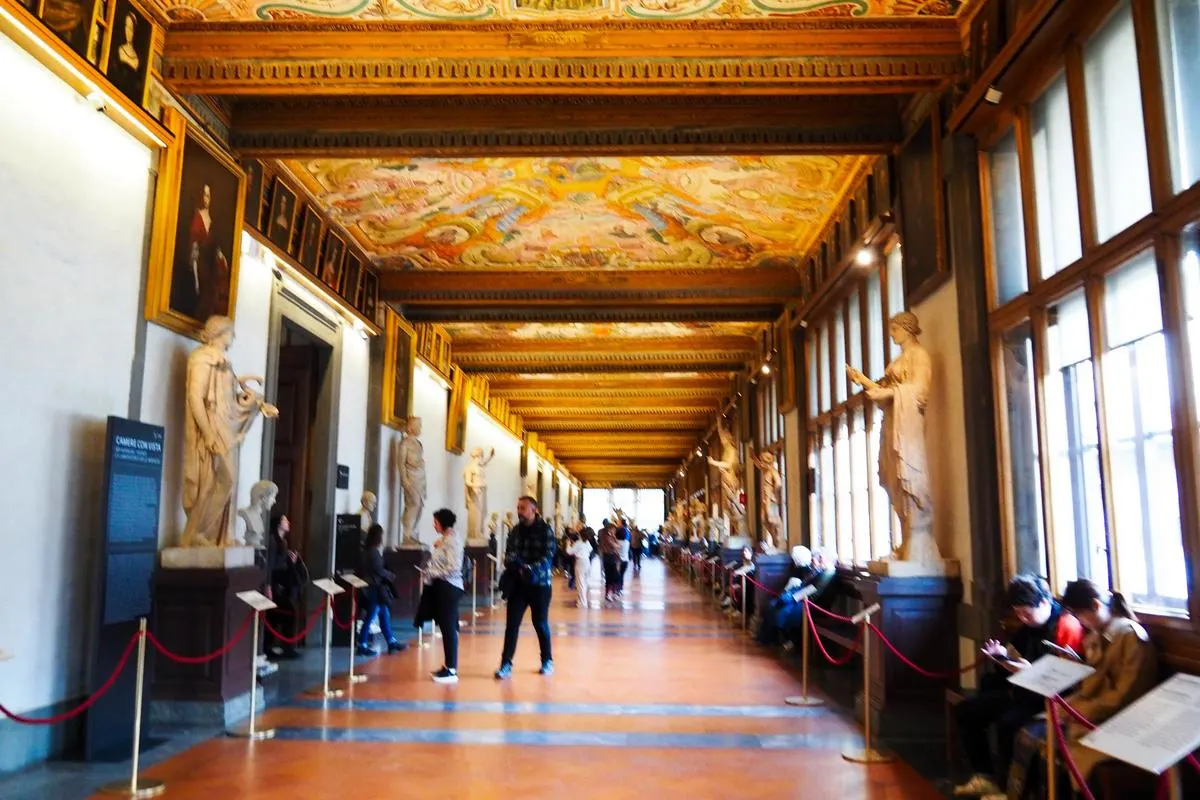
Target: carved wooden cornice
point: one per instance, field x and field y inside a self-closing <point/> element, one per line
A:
<point x="624" y="426"/>
<point x="592" y="362"/>
<point x="519" y="312"/>
<point x="569" y="412"/>
<point x="472" y="347"/>
<point x="337" y="58"/>
<point x="525" y="396"/>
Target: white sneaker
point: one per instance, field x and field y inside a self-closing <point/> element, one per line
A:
<point x="444" y="675"/>
<point x="978" y="786"/>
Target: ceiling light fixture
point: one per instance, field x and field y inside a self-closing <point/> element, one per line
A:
<point x="766" y="369"/>
<point x="865" y="257"/>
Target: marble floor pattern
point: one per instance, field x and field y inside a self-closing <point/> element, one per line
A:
<point x="658" y="697"/>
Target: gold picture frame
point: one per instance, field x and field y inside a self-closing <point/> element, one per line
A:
<point x="785" y="367"/>
<point x="193" y="269"/>
<point x="399" y="361"/>
<point x="456" y="419"/>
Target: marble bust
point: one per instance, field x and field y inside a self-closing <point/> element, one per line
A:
<point x="220" y="409"/>
<point x="257" y="515"/>
<point x="903" y="393"/>
<point x="494" y="523"/>
<point x="475" y="487"/>
<point x="410" y="461"/>
<point x="366" y="513"/>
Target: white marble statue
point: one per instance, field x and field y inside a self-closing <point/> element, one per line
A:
<point x="475" y="486"/>
<point x="410" y="462"/>
<point x="772" y="495"/>
<point x="494" y="524"/>
<point x="257" y="515"/>
<point x="731" y="487"/>
<point x="366" y="513"/>
<point x="903" y="469"/>
<point x="220" y="410"/>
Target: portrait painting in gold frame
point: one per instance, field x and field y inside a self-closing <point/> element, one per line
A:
<point x="196" y="234"/>
<point x="399" y="361"/>
<point x="456" y="419"/>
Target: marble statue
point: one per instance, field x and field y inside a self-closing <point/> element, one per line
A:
<point x="475" y="481"/>
<point x="257" y="515"/>
<point x="366" y="513"/>
<point x="494" y="524"/>
<point x="557" y="517"/>
<point x="772" y="494"/>
<point x="903" y="468"/>
<point x="698" y="514"/>
<point x="220" y="410"/>
<point x="410" y="462"/>
<point x="730" y="466"/>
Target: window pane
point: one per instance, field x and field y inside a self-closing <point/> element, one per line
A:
<point x="839" y="356"/>
<point x="1008" y="224"/>
<point x="1072" y="428"/>
<point x="828" y="509"/>
<point x="895" y="298"/>
<point x="881" y="508"/>
<point x="1179" y="48"/>
<point x="874" y="326"/>
<point x="854" y="327"/>
<point x="845" y="513"/>
<point x="814" y="491"/>
<point x="1022" y="444"/>
<point x="1120" y="169"/>
<point x="810" y="341"/>
<point x="1191" y="296"/>
<point x="1145" y="492"/>
<point x="823" y="366"/>
<point x="1054" y="180"/>
<point x="861" y="491"/>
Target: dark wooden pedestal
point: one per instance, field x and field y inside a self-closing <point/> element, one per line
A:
<point x="196" y="611"/>
<point x="408" y="584"/>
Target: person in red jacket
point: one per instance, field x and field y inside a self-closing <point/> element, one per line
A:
<point x="1000" y="704"/>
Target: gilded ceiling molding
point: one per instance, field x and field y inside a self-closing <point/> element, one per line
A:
<point x="601" y="395"/>
<point x="623" y="426"/>
<point x="563" y="313"/>
<point x="728" y="365"/>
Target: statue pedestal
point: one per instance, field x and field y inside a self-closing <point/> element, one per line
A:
<point x="896" y="568"/>
<point x="404" y="562"/>
<point x="206" y="557"/>
<point x="196" y="611"/>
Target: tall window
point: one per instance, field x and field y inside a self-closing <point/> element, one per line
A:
<point x="1024" y="502"/>
<point x="1179" y="49"/>
<point x="1190" y="276"/>
<point x="1054" y="180"/>
<point x="1008" y="225"/>
<point x="1120" y="166"/>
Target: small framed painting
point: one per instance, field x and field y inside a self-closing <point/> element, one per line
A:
<point x="254" y="193"/>
<point x="129" y="51"/>
<point x="282" y="215"/>
<point x="331" y="259"/>
<point x="370" y="306"/>
<point x="308" y="249"/>
<point x="71" y="21"/>
<point x="399" y="361"/>
<point x="351" y="278"/>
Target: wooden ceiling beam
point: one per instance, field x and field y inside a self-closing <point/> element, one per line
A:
<point x="502" y="384"/>
<point x="879" y="54"/>
<point x="490" y="345"/>
<point x="580" y="311"/>
<point x="604" y="362"/>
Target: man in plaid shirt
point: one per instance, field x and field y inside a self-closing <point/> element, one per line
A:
<point x="529" y="557"/>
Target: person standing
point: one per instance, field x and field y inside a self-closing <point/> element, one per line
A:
<point x="529" y="558"/>
<point x="581" y="552"/>
<point x="610" y="553"/>
<point x="444" y="578"/>
<point x="379" y="594"/>
<point x="623" y="545"/>
<point x="637" y="549"/>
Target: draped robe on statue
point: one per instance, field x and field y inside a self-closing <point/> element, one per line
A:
<point x="903" y="466"/>
<point x="210" y="480"/>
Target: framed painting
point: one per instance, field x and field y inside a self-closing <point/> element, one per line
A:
<point x="785" y="374"/>
<point x="332" y="253"/>
<point x="351" y="277"/>
<point x="456" y="418"/>
<point x="32" y="6"/>
<point x="370" y="292"/>
<point x="252" y="212"/>
<point x="71" y="21"/>
<point x="282" y="216"/>
<point x="195" y="239"/>
<point x="308" y="246"/>
<point x="919" y="179"/>
<point x="399" y="361"/>
<point x="129" y="51"/>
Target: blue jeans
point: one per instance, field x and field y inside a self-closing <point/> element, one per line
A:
<point x="380" y="609"/>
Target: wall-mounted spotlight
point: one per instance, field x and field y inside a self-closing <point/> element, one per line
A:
<point x="865" y="257"/>
<point x="766" y="369"/>
<point x="699" y="452"/>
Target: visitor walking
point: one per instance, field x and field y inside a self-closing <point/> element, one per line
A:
<point x="528" y="559"/>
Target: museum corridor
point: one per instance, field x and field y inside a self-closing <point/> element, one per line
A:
<point x="660" y="698"/>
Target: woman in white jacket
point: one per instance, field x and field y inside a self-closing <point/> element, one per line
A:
<point x="581" y="551"/>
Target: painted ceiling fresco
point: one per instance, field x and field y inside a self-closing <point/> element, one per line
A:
<point x="546" y="10"/>
<point x="541" y="331"/>
<point x="582" y="213"/>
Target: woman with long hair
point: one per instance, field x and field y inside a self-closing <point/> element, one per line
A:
<point x="378" y="595"/>
<point x="444" y="582"/>
<point x="284" y="584"/>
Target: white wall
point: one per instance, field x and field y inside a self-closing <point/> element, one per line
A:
<point x="352" y="416"/>
<point x="74" y="197"/>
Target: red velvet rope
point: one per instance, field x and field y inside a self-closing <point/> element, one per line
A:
<point x="759" y="585"/>
<point x="1064" y="748"/>
<point x="828" y="613"/>
<point x="850" y="653"/>
<point x="213" y="656"/>
<point x="312" y="620"/>
<point x="932" y="675"/>
<point x="1085" y="722"/>
<point x="86" y="704"/>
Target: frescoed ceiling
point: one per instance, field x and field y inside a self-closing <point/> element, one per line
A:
<point x="545" y="10"/>
<point x="643" y="212"/>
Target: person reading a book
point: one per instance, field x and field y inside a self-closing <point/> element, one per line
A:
<point x="998" y="704"/>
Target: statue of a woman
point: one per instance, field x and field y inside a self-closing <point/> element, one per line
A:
<point x="475" y="482"/>
<point x="730" y="466"/>
<point x="772" y="494"/>
<point x="220" y="410"/>
<point x="903" y="469"/>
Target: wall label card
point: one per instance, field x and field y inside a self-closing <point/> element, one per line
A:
<point x="329" y="586"/>
<point x="354" y="580"/>
<point x="256" y="600"/>
<point x="1050" y="676"/>
<point x="1158" y="730"/>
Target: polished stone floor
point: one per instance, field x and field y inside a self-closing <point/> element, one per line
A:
<point x="659" y="697"/>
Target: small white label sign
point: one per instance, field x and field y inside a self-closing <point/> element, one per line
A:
<point x="256" y="600"/>
<point x="329" y="586"/>
<point x="354" y="580"/>
<point x="1050" y="676"/>
<point x="1157" y="731"/>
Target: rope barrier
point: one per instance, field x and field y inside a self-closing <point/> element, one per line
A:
<point x="348" y="624"/>
<point x="830" y="614"/>
<point x="87" y="703"/>
<point x="213" y="656"/>
<point x="1085" y="722"/>
<point x="1064" y="748"/>
<point x="760" y="586"/>
<point x="312" y="620"/>
<point x="921" y="671"/>
<point x="850" y="653"/>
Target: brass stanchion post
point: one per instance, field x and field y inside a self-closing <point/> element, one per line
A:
<point x="326" y="691"/>
<point x="867" y="754"/>
<point x="251" y="731"/>
<point x="474" y="591"/>
<point x="136" y="788"/>
<point x="1175" y="783"/>
<point x="745" y="604"/>
<point x="351" y="678"/>
<point x="806" y="631"/>
<point x="1051" y="736"/>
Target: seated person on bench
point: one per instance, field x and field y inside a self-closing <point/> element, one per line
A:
<point x="1000" y="705"/>
<point x="785" y="620"/>
<point x="733" y="597"/>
